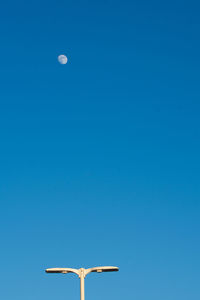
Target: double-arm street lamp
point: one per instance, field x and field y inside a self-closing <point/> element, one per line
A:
<point x="82" y="274"/>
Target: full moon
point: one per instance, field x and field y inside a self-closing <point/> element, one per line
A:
<point x="62" y="59"/>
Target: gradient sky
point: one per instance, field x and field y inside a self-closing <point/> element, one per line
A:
<point x="100" y="158"/>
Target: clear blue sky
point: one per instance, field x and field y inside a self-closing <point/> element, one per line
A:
<point x="99" y="158"/>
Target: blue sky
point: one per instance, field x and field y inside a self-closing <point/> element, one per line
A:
<point x="99" y="158"/>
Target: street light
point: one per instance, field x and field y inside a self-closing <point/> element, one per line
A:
<point x="82" y="274"/>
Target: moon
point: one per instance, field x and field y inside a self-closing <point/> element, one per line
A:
<point x="62" y="59"/>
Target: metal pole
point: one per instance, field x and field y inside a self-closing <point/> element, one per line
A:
<point x="82" y="279"/>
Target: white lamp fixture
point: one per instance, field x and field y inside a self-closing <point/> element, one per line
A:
<point x="82" y="273"/>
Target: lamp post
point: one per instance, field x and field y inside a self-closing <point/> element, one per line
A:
<point x="82" y="273"/>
